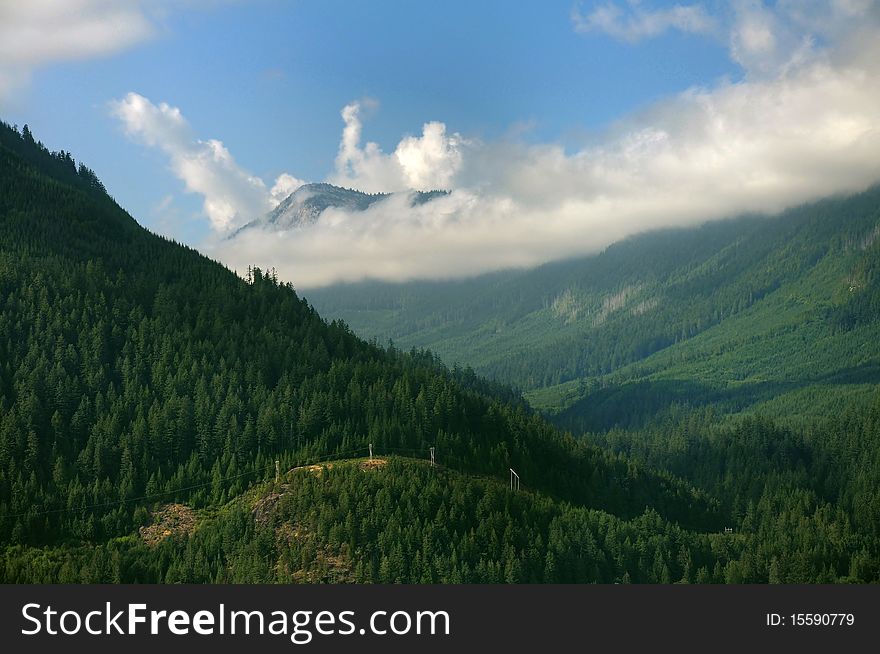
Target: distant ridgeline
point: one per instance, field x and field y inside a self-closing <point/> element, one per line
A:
<point x="148" y="396"/>
<point x="761" y="313"/>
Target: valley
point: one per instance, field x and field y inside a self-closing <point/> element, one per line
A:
<point x="702" y="407"/>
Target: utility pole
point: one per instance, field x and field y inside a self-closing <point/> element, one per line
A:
<point x="432" y="457"/>
<point x="371" y="452"/>
<point x="277" y="471"/>
<point x="514" y="480"/>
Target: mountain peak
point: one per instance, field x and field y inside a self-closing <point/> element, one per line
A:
<point x="304" y="206"/>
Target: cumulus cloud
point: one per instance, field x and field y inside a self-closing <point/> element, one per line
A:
<point x="285" y="184"/>
<point x="633" y="22"/>
<point x="432" y="160"/>
<point x="804" y="127"/>
<point x="232" y="196"/>
<point x="425" y="162"/>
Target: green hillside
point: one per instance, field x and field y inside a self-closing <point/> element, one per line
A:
<point x="807" y="349"/>
<point x="393" y="520"/>
<point x="767" y="313"/>
<point x="134" y="370"/>
<point x="146" y="394"/>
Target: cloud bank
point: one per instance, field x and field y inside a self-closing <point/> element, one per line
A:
<point x="802" y="123"/>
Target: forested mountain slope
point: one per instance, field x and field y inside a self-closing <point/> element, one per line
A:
<point x="741" y="310"/>
<point x="134" y="370"/>
<point x="146" y="393"/>
<point x="741" y="356"/>
<point x="398" y="519"/>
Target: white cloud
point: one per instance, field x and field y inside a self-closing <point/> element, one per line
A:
<point x="39" y="33"/>
<point x="633" y="22"/>
<point x="432" y="160"/>
<point x="802" y="129"/>
<point x="765" y="41"/>
<point x="429" y="161"/>
<point x="35" y="33"/>
<point x="764" y="38"/>
<point x="232" y="196"/>
<point x="285" y="184"/>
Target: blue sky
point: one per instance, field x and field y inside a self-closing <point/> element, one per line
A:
<point x="565" y="118"/>
<point x="269" y="78"/>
